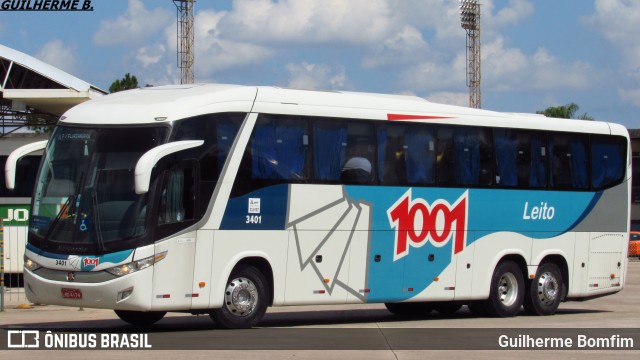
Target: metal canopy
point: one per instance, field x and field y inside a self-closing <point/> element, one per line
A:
<point x="34" y="93"/>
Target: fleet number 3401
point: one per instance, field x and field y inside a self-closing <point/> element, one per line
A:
<point x="253" y="219"/>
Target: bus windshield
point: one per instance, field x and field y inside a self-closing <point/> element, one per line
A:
<point x="84" y="199"/>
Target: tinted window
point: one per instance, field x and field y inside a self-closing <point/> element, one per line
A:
<point x="406" y="154"/>
<point x="218" y="132"/>
<point x="329" y="150"/>
<point x="289" y="149"/>
<point x="570" y="161"/>
<point x="343" y="151"/>
<point x="278" y="149"/>
<point x="277" y="153"/>
<point x="521" y="158"/>
<point x="464" y="156"/>
<point x="608" y="155"/>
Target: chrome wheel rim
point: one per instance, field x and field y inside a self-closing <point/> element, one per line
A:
<point x="547" y="288"/>
<point x="508" y="289"/>
<point x="241" y="297"/>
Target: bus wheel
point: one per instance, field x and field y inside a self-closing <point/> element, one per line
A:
<point x="507" y="290"/>
<point x="545" y="293"/>
<point x="140" y="318"/>
<point x="416" y="309"/>
<point x="245" y="299"/>
<point x="447" y="307"/>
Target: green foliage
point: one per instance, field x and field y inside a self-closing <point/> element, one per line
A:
<point x="126" y="83"/>
<point x="564" y="112"/>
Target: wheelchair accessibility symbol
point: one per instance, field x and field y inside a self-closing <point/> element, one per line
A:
<point x="83" y="225"/>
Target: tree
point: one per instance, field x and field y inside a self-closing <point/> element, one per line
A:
<point x="126" y="83"/>
<point x="564" y="112"/>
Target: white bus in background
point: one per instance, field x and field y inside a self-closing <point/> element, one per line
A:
<point x="225" y="200"/>
<point x="15" y="204"/>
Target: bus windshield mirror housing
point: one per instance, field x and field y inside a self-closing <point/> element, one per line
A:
<point x="149" y="160"/>
<point x="15" y="156"/>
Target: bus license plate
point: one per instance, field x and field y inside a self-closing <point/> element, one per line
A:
<point x="71" y="293"/>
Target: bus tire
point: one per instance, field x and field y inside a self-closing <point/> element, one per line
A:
<point x="245" y="299"/>
<point x="140" y="318"/>
<point x="506" y="294"/>
<point x="410" y="309"/>
<point x="545" y="292"/>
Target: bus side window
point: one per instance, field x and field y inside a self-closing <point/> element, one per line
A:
<point x="464" y="156"/>
<point x="343" y="151"/>
<point x="445" y="157"/>
<point x="508" y="158"/>
<point x="420" y="155"/>
<point x="391" y="155"/>
<point x="278" y="149"/>
<point x="329" y="150"/>
<point x="607" y="161"/>
<point x="521" y="159"/>
<point x="358" y="167"/>
<point x="570" y="161"/>
<point x="177" y="196"/>
<point x="276" y="154"/>
<point x="535" y="171"/>
<point x="406" y="154"/>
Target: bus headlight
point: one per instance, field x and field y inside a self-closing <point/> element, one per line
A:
<point x="30" y="264"/>
<point x="134" y="266"/>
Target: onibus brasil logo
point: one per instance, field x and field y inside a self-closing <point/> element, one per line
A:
<point x="417" y="222"/>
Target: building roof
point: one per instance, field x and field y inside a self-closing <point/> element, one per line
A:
<point x="29" y="82"/>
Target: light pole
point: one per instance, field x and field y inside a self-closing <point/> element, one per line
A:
<point x="185" y="40"/>
<point x="470" y="21"/>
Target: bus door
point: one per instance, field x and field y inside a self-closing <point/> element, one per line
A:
<point x="173" y="278"/>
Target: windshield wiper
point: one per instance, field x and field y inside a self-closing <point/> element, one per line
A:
<point x="56" y="220"/>
<point x="75" y="197"/>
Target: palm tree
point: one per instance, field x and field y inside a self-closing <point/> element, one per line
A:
<point x="128" y="82"/>
<point x="564" y="112"/>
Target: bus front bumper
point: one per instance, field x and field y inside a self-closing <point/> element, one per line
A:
<point x="130" y="292"/>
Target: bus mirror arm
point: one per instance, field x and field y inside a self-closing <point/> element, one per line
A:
<point x="149" y="159"/>
<point x="12" y="161"/>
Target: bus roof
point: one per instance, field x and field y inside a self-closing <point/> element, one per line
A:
<point x="173" y="102"/>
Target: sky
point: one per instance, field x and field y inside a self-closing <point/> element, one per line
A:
<point x="535" y="53"/>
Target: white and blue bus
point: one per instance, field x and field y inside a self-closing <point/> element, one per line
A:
<point x="225" y="200"/>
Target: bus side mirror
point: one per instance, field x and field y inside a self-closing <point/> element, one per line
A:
<point x="12" y="161"/>
<point x="147" y="161"/>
